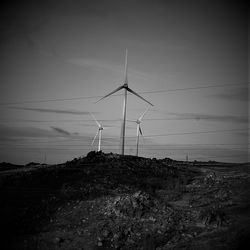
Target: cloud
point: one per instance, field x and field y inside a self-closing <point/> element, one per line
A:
<point x="61" y="131"/>
<point x="6" y="139"/>
<point x="57" y="111"/>
<point x="105" y="66"/>
<point x="208" y="117"/>
<point x="244" y="134"/>
<point x="13" y="135"/>
<point x="12" y="132"/>
<point x="239" y="94"/>
<point x="19" y="21"/>
<point x="25" y="144"/>
<point x="94" y="63"/>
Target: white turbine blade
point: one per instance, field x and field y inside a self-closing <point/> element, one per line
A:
<point x="140" y="118"/>
<point x="137" y="129"/>
<point x="126" y="67"/>
<point x="119" y="88"/>
<point x="130" y="90"/>
<point x="98" y="124"/>
<point x="141" y="134"/>
<point x="95" y="138"/>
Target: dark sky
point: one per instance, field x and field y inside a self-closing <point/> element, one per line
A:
<point x="54" y="50"/>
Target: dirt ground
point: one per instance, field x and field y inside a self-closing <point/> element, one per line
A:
<point x="105" y="201"/>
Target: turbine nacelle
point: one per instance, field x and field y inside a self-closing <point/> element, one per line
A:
<point x="125" y="86"/>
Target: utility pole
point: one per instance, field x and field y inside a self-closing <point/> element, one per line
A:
<point x="45" y="159"/>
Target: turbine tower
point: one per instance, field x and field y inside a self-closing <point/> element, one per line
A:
<point x="126" y="88"/>
<point x="138" y="129"/>
<point x="98" y="133"/>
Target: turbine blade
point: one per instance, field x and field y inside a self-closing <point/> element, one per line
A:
<point x="140" y="130"/>
<point x="140" y="118"/>
<point x="95" y="138"/>
<point x="98" y="124"/>
<point x="137" y="129"/>
<point x="126" y="67"/>
<point x="131" y="91"/>
<point x="141" y="135"/>
<point x="119" y="88"/>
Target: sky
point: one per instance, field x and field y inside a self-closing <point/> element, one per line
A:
<point x="188" y="58"/>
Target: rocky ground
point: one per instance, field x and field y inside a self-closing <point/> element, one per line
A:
<point x="106" y="201"/>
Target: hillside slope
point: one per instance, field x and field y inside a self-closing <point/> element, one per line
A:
<point x="108" y="201"/>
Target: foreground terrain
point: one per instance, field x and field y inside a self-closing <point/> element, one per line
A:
<point x="107" y="201"/>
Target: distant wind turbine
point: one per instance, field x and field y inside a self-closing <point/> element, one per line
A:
<point x="98" y="133"/>
<point x="126" y="88"/>
<point x="138" y="129"/>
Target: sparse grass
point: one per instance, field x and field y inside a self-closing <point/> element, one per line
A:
<point x="58" y="198"/>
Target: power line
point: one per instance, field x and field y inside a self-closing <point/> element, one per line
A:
<point x="144" y="92"/>
<point x="197" y="149"/>
<point x="219" y="156"/>
<point x="199" y="132"/>
<point x="110" y="147"/>
<point x="65" y="143"/>
<point x="146" y="144"/>
<point x="68" y="120"/>
<point x="157" y="135"/>
<point x="193" y="88"/>
<point x="104" y="120"/>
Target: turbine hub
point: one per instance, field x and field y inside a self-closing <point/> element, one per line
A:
<point x="100" y="128"/>
<point x="125" y="85"/>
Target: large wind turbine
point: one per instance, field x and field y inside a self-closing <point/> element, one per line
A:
<point x="138" y="129"/>
<point x="126" y="88"/>
<point x="98" y="133"/>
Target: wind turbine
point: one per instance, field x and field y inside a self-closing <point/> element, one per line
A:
<point x="98" y="133"/>
<point x="138" y="129"/>
<point x="126" y="88"/>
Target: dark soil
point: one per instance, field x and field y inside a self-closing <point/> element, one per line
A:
<point x="108" y="201"/>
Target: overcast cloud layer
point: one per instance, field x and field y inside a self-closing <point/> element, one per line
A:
<point x="59" y="57"/>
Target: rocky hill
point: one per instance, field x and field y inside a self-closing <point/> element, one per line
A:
<point x="108" y="201"/>
<point x="8" y="166"/>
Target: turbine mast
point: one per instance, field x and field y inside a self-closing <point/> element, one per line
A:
<point x="100" y="138"/>
<point x="123" y="122"/>
<point x="126" y="68"/>
<point x="122" y="139"/>
<point x="137" y="138"/>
